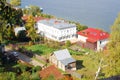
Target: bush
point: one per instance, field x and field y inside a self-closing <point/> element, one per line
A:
<point x="37" y="68"/>
<point x="68" y="43"/>
<point x="30" y="43"/>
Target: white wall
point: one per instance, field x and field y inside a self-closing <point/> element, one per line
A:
<point x="57" y="34"/>
<point x="61" y="66"/>
<point x="82" y="38"/>
<point x="56" y="62"/>
<point x="101" y="44"/>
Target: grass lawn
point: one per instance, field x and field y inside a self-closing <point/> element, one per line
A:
<point x="40" y="49"/>
<point x="88" y="65"/>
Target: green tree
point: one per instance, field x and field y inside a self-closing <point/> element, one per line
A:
<point x="32" y="10"/>
<point x="22" y="34"/>
<point x="79" y="26"/>
<point x="10" y="14"/>
<point x="15" y="3"/>
<point x="113" y="57"/>
<point x="6" y="31"/>
<point x="24" y="76"/>
<point x="2" y="29"/>
<point x="9" y="33"/>
<point x="7" y="76"/>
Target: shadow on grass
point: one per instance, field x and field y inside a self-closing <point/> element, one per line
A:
<point x="38" y="52"/>
<point x="79" y="64"/>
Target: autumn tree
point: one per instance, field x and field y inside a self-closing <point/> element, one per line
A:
<point x="31" y="32"/>
<point x="113" y="59"/>
<point x="15" y="3"/>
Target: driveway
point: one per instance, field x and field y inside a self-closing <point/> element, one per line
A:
<point x="25" y="58"/>
<point x="29" y="60"/>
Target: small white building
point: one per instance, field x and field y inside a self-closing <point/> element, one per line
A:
<point x="93" y="38"/>
<point x="63" y="60"/>
<point x="58" y="30"/>
<point x="17" y="29"/>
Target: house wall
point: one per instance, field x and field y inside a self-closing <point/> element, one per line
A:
<point x="61" y="66"/>
<point x="57" y="34"/>
<point x="73" y="65"/>
<point x="90" y="45"/>
<point x="101" y="44"/>
<point x="94" y="46"/>
<point x="57" y="62"/>
<point x="82" y="38"/>
<point x="82" y="44"/>
<point x="53" y="59"/>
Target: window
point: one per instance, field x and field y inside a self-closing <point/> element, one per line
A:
<point x="67" y="31"/>
<point x="60" y="38"/>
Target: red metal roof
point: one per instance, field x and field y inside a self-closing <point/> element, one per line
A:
<point x="93" y="34"/>
<point x="51" y="70"/>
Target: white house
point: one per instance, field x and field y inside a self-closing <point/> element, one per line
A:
<point x="93" y="38"/>
<point x="63" y="60"/>
<point x="58" y="30"/>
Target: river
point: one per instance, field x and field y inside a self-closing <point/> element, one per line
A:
<point x="93" y="13"/>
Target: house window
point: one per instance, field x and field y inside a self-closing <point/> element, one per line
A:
<point x="60" y="38"/>
<point x="67" y="31"/>
<point x="100" y="42"/>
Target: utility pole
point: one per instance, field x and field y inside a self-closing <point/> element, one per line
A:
<point x="99" y="68"/>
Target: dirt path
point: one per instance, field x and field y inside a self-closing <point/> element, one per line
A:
<point x="29" y="60"/>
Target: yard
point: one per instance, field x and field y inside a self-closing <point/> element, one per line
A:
<point x="87" y="60"/>
<point x="87" y="65"/>
<point x="43" y="49"/>
<point x="40" y="49"/>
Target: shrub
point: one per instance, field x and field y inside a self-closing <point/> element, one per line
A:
<point x="68" y="43"/>
<point x="30" y="43"/>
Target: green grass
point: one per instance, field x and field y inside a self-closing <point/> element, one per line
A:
<point x="90" y="64"/>
<point x="40" y="49"/>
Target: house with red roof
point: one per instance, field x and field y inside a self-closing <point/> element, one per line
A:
<point x="92" y="38"/>
<point x="51" y="70"/>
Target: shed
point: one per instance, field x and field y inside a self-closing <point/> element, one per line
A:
<point x="63" y="60"/>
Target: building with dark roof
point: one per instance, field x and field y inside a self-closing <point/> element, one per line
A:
<point x="93" y="38"/>
<point x="63" y="60"/>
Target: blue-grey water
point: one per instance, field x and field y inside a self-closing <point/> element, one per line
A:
<point x="93" y="13"/>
